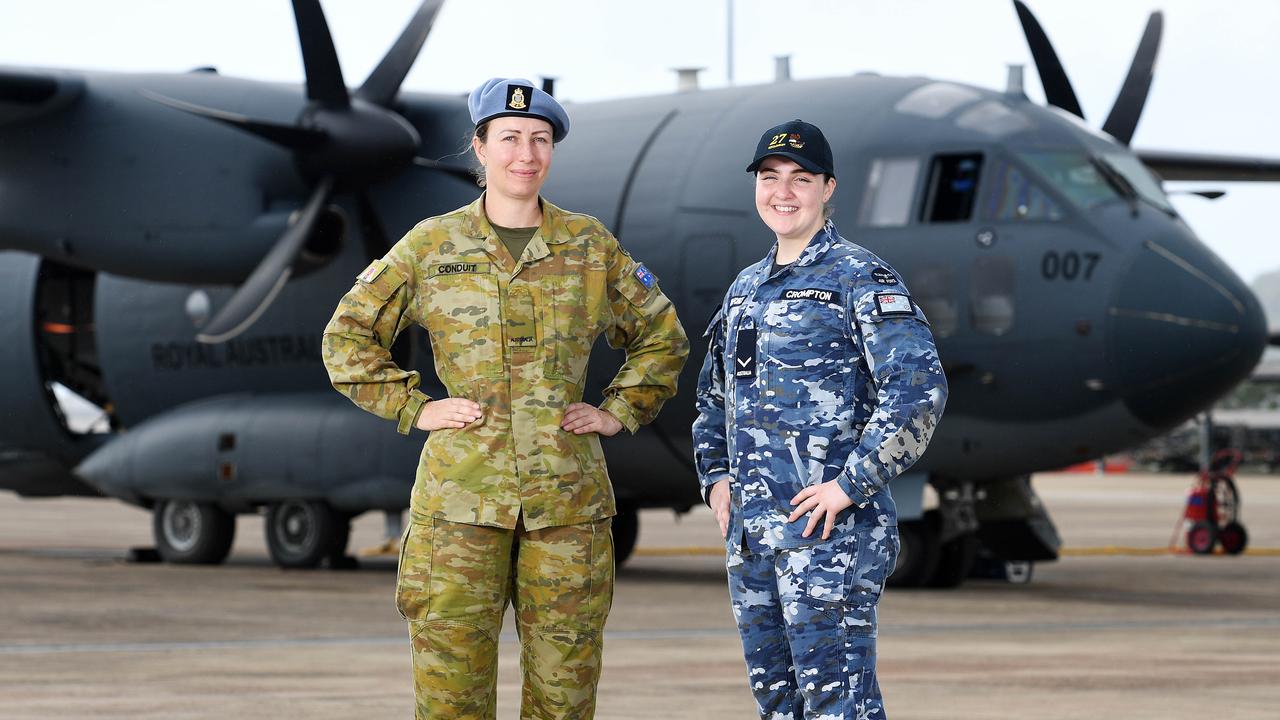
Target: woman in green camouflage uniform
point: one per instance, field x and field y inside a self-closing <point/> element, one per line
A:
<point x="512" y="502"/>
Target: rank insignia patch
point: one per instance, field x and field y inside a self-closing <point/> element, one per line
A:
<point x="894" y="305"/>
<point x="744" y="362"/>
<point x="645" y="277"/>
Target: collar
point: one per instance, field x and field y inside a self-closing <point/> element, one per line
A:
<point x="553" y="231"/>
<point x="818" y="246"/>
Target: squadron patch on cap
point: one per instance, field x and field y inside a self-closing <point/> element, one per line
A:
<point x="884" y="276"/>
<point x="894" y="305"/>
<point x="518" y="97"/>
<point x="794" y="141"/>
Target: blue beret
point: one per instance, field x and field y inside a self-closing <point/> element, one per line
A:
<point x="517" y="97"/>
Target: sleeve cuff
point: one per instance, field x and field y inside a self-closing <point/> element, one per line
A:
<point x="619" y="408"/>
<point x="859" y="498"/>
<point x="409" y="413"/>
<point x="714" y="476"/>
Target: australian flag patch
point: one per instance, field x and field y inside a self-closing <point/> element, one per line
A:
<point x="645" y="277"/>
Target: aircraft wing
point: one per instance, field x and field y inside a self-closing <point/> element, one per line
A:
<point x="27" y="93"/>
<point x="1172" y="165"/>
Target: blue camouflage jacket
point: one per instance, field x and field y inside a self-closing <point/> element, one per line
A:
<point x="824" y="370"/>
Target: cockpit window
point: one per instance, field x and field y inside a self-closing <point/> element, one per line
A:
<point x="1012" y="194"/>
<point x="1074" y="175"/>
<point x="953" y="185"/>
<point x="891" y="188"/>
<point x="1140" y="178"/>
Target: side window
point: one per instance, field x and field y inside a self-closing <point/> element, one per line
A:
<point x="932" y="289"/>
<point x="1011" y="194"/>
<point x="953" y="186"/>
<point x="991" y="295"/>
<point x="891" y="187"/>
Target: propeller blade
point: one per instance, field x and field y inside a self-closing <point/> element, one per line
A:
<point x="1057" y="88"/>
<point x="290" y="136"/>
<point x="1123" y="119"/>
<point x="383" y="84"/>
<point x="319" y="58"/>
<point x="269" y="278"/>
<point x="462" y="172"/>
<point x="376" y="241"/>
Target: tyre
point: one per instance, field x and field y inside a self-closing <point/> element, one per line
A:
<point x="302" y="533"/>
<point x="1233" y="538"/>
<point x="626" y="529"/>
<point x="1201" y="537"/>
<point x="918" y="556"/>
<point x="955" y="561"/>
<point x="189" y="532"/>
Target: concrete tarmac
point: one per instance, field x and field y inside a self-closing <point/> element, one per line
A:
<point x="1101" y="633"/>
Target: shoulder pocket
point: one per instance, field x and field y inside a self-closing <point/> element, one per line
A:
<point x="381" y="279"/>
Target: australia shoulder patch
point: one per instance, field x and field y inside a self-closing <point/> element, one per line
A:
<point x="890" y="304"/>
<point x="371" y="273"/>
<point x="645" y="277"/>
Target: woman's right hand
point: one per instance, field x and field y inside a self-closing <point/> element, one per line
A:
<point x="447" y="413"/>
<point x="720" y="504"/>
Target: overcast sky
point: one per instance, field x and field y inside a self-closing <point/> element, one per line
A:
<point x="1214" y="90"/>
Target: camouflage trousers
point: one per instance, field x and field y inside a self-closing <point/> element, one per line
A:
<point x="807" y="618"/>
<point x="454" y="584"/>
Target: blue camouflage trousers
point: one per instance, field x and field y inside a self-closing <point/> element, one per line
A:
<point x="807" y="617"/>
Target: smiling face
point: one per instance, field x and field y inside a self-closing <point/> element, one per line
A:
<point x="790" y="198"/>
<point x="516" y="154"/>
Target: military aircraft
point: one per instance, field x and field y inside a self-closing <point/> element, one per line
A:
<point x="175" y="243"/>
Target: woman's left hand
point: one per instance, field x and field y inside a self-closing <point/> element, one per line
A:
<point x="823" y="499"/>
<point x="581" y="418"/>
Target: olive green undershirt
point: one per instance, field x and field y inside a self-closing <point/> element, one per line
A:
<point x="516" y="239"/>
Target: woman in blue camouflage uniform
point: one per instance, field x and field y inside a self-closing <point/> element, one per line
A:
<point x="821" y="384"/>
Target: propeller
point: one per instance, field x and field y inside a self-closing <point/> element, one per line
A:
<point x="1127" y="108"/>
<point x="342" y="143"/>
<point x="1057" y="88"/>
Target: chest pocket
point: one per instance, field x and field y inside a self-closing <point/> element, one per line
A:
<point x="574" y="312"/>
<point x="463" y="319"/>
<point x="807" y="354"/>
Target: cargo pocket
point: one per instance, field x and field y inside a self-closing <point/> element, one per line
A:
<point x="829" y="568"/>
<point x="600" y="573"/>
<point x="413" y="577"/>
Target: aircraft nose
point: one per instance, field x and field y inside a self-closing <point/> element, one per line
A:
<point x="1183" y="329"/>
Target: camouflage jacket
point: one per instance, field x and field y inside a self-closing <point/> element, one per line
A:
<point x="513" y="336"/>
<point x="823" y="371"/>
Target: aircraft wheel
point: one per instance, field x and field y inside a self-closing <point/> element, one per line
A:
<point x="301" y="533"/>
<point x="1202" y="537"/>
<point x="1233" y="538"/>
<point x="188" y="532"/>
<point x="918" y="556"/>
<point x="626" y="528"/>
<point x="955" y="561"/>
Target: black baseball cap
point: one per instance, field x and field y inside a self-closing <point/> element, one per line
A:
<point x="799" y="141"/>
